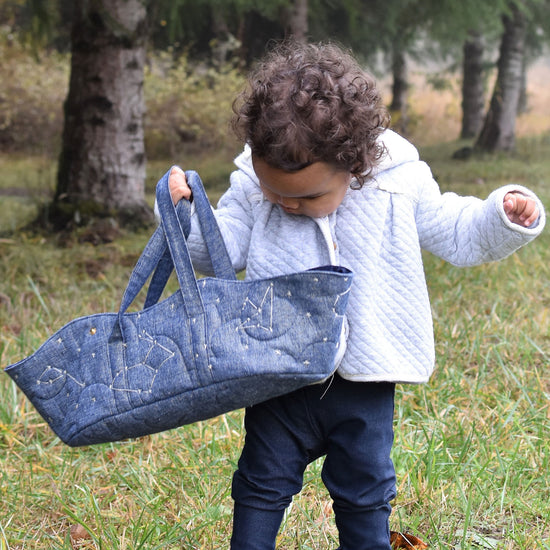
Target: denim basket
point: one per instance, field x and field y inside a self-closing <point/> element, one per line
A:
<point x="215" y="345"/>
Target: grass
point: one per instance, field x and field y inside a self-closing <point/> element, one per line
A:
<point x="482" y="422"/>
<point x="472" y="447"/>
<point x="25" y="184"/>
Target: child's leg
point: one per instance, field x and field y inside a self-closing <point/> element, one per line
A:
<point x="255" y="529"/>
<point x="271" y="468"/>
<point x="358" y="470"/>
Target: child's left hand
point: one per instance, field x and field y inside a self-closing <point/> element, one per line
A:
<point x="520" y="209"/>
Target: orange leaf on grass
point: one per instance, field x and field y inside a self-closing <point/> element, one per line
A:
<point x="407" y="541"/>
<point x="80" y="538"/>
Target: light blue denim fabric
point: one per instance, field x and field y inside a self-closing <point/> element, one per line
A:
<point x="216" y="345"/>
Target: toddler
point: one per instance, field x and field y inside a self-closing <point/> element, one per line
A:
<point x="322" y="180"/>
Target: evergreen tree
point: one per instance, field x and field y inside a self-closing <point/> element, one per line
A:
<point x="102" y="162"/>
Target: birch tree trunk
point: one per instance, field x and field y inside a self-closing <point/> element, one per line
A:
<point x="102" y="162"/>
<point x="472" y="86"/>
<point x="498" y="132"/>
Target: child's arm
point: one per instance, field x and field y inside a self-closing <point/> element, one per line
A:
<point x="467" y="231"/>
<point x="520" y="209"/>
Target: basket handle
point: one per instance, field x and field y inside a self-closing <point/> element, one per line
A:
<point x="168" y="248"/>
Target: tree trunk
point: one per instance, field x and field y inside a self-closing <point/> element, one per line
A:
<point x="224" y="43"/>
<point x="498" y="132"/>
<point x="255" y="32"/>
<point x="400" y="88"/>
<point x="472" y="86"/>
<point x="102" y="163"/>
<point x="523" y="101"/>
<point x="296" y="20"/>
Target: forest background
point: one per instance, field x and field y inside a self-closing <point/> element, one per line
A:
<point x="154" y="78"/>
<point x="472" y="447"/>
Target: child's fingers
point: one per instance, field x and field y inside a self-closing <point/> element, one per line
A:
<point x="509" y="204"/>
<point x="530" y="214"/>
<point x="526" y="209"/>
<point x="177" y="184"/>
<point x="520" y="209"/>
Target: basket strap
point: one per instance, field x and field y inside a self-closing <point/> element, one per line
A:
<point x="149" y="259"/>
<point x="165" y="265"/>
<point x="175" y="237"/>
<point x="221" y="262"/>
<point x="168" y="248"/>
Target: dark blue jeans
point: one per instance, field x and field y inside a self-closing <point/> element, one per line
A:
<point x="349" y="422"/>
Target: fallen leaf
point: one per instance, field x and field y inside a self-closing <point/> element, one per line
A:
<point x="110" y="455"/>
<point x="79" y="536"/>
<point x="407" y="541"/>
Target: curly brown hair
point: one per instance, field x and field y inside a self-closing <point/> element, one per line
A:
<point x="309" y="103"/>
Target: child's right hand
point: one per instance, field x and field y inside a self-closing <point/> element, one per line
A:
<point x="520" y="208"/>
<point x="177" y="183"/>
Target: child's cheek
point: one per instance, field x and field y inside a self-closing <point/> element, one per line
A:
<point x="269" y="196"/>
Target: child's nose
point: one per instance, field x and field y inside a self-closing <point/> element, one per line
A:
<point x="288" y="202"/>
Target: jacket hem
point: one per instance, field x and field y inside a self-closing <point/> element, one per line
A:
<point x="383" y="377"/>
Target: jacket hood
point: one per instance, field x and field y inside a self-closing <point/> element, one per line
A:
<point x="244" y="162"/>
<point x="398" y="151"/>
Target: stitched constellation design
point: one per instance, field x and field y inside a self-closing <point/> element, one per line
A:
<point x="260" y="312"/>
<point x="338" y="296"/>
<point x="145" y="363"/>
<point x="45" y="377"/>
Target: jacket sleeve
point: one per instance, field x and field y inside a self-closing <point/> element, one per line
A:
<point x="468" y="231"/>
<point x="234" y="214"/>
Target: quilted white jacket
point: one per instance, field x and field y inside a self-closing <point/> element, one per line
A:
<point x="377" y="232"/>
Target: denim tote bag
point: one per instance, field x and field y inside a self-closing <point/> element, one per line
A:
<point x="217" y="344"/>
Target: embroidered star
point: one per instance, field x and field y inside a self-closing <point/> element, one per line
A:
<point x="51" y="375"/>
<point x="155" y="357"/>
<point x="259" y="315"/>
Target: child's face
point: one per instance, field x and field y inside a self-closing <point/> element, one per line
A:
<point x="315" y="191"/>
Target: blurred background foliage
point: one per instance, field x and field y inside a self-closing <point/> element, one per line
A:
<point x="199" y="51"/>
